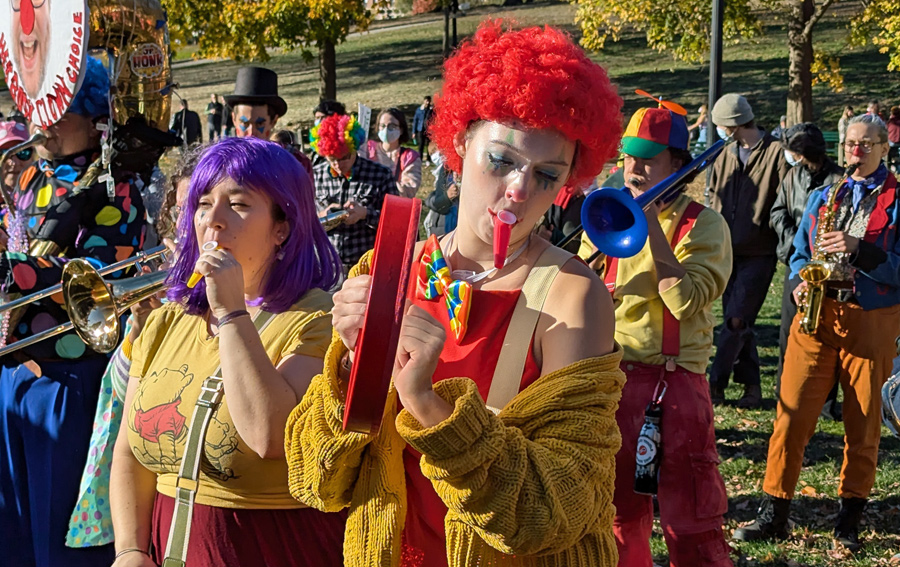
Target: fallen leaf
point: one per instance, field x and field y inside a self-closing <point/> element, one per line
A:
<point x="808" y="491"/>
<point x="839" y="551"/>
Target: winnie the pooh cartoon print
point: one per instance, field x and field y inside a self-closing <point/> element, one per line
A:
<point x="162" y="425"/>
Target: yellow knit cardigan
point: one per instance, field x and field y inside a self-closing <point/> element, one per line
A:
<point x="532" y="486"/>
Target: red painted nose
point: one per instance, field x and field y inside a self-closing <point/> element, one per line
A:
<point x="858" y="151"/>
<point x="26" y="17"/>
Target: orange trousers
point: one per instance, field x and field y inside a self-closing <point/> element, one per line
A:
<point x="856" y="348"/>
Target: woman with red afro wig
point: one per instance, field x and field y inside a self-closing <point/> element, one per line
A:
<point x="499" y="439"/>
<point x="538" y="78"/>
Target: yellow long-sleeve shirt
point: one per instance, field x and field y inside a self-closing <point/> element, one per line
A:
<point x="705" y="253"/>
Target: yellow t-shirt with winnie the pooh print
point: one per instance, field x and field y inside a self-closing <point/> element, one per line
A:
<point x="172" y="357"/>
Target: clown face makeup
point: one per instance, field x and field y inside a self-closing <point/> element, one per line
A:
<point x="863" y="147"/>
<point x="252" y="121"/>
<point x="510" y="168"/>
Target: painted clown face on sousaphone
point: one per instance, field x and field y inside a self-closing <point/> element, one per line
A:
<point x="31" y="41"/>
<point x="44" y="74"/>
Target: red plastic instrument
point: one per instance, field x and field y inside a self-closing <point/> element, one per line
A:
<point x="376" y="347"/>
<point x="503" y="223"/>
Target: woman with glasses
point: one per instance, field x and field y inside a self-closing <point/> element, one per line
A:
<point x="13" y="134"/>
<point x="405" y="163"/>
<point x="853" y="343"/>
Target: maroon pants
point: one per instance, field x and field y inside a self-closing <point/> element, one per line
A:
<point x="226" y="537"/>
<point x="692" y="498"/>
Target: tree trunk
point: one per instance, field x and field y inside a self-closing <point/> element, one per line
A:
<point x="327" y="71"/>
<point x="800" y="56"/>
<point x="446" y="47"/>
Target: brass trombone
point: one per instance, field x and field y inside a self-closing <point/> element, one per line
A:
<point x="93" y="304"/>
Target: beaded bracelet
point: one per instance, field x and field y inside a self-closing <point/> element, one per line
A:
<point x="231" y="317"/>
<point x="129" y="550"/>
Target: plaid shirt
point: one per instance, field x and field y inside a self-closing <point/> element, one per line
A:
<point x="369" y="182"/>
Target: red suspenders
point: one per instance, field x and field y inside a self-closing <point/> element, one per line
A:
<point x="671" y="339"/>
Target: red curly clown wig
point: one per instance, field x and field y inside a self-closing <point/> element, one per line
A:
<point x="537" y="77"/>
<point x="337" y="136"/>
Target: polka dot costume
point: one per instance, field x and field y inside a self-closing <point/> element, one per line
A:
<point x="85" y="223"/>
<point x="91" y="523"/>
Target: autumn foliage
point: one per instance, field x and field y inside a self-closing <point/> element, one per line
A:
<point x="238" y="29"/>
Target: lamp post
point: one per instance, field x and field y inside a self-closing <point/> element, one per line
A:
<point x="715" y="67"/>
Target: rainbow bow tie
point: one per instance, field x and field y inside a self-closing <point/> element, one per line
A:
<point x="434" y="280"/>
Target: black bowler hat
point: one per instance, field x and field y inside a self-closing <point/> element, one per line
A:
<point x="257" y="85"/>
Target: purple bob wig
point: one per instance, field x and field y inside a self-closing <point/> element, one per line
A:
<point x="309" y="260"/>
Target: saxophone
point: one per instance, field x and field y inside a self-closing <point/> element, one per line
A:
<point x="817" y="271"/>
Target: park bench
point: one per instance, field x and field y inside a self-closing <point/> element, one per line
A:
<point x="831" y="143"/>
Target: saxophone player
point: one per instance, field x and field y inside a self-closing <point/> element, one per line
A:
<point x="854" y="232"/>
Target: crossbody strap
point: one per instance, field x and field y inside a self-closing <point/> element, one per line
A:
<point x="187" y="482"/>
<point x="511" y="363"/>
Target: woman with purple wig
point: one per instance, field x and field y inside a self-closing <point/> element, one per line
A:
<point x="272" y="262"/>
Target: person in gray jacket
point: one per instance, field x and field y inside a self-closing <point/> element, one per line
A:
<point x="742" y="186"/>
<point x="811" y="168"/>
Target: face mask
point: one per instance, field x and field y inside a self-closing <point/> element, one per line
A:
<point x="388" y="136"/>
<point x="723" y="134"/>
<point x="318" y="121"/>
<point x="437" y="159"/>
<point x="790" y="158"/>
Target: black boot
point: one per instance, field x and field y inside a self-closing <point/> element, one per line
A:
<point x="846" y="529"/>
<point x="716" y="394"/>
<point x="771" y="521"/>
